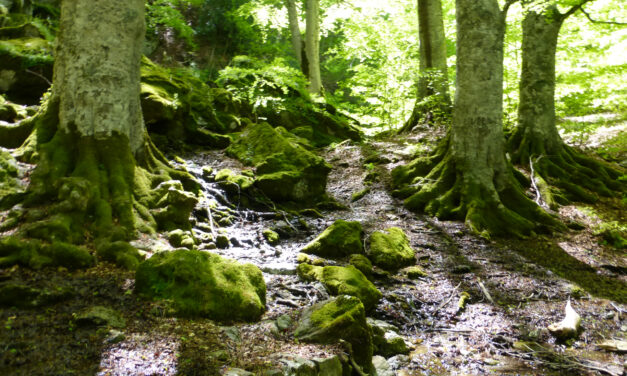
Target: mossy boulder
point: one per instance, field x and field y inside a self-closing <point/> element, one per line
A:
<point x="37" y="254"/>
<point x="340" y="280"/>
<point x="285" y="170"/>
<point x="362" y="264"/>
<point x="233" y="183"/>
<point x="120" y="253"/>
<point x="339" y="240"/>
<point x="202" y="284"/>
<point x="172" y="205"/>
<point x="180" y="107"/>
<point x="19" y="58"/>
<point x="340" y="318"/>
<point x="271" y="236"/>
<point x="387" y="342"/>
<point x="391" y="250"/>
<point x="11" y="112"/>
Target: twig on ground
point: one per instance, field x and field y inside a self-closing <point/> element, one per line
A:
<point x="447" y="301"/>
<point x="485" y="292"/>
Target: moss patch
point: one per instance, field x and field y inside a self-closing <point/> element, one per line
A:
<point x="203" y="284"/>
<point x="285" y="171"/>
<point x="340" y="239"/>
<point x="37" y="254"/>
<point x="391" y="250"/>
<point x="342" y="281"/>
<point x="340" y="318"/>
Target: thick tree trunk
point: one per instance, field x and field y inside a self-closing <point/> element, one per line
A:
<point x="536" y="142"/>
<point x="469" y="177"/>
<point x="312" y="45"/>
<point x="98" y="173"/>
<point x="297" y="44"/>
<point x="433" y="97"/>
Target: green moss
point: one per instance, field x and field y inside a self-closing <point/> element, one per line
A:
<point x="414" y="272"/>
<point x="11" y="190"/>
<point x="361" y="263"/>
<point x="285" y="171"/>
<point x="180" y="107"/>
<point x="120" y="253"/>
<point x="271" y="236"/>
<point x="391" y="250"/>
<point x="342" y="281"/>
<point x="37" y="254"/>
<point x="340" y="239"/>
<point x="359" y="195"/>
<point x="203" y="284"/>
<point x="341" y="318"/>
<point x="233" y="183"/>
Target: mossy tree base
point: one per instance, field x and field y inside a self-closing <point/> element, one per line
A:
<point x="576" y="176"/>
<point x="496" y="205"/>
<point x="93" y="191"/>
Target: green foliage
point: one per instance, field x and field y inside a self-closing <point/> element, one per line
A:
<point x="168" y="14"/>
<point x="263" y="85"/>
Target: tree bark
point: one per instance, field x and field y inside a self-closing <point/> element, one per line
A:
<point x="536" y="139"/>
<point x="297" y="44"/>
<point x="433" y="97"/>
<point x="97" y="168"/>
<point x="469" y="178"/>
<point x="312" y="45"/>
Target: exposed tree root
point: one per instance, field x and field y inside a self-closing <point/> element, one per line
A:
<point x="438" y="187"/>
<point x="578" y="177"/>
<point x="95" y="191"/>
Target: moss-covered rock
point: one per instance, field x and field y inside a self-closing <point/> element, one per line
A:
<point x="339" y="240"/>
<point x="340" y="280"/>
<point x="271" y="236"/>
<point x="179" y="238"/>
<point x="11" y="112"/>
<point x="387" y="342"/>
<point x="233" y="183"/>
<point x="203" y="284"/>
<point x="120" y="253"/>
<point x="391" y="250"/>
<point x="172" y="205"/>
<point x="37" y="254"/>
<point x="19" y="58"/>
<point x="362" y="264"/>
<point x="414" y="272"/>
<point x="100" y="316"/>
<point x="340" y="318"/>
<point x="285" y="171"/>
<point x="180" y="107"/>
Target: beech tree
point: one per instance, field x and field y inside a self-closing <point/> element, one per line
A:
<point x="312" y="45"/>
<point x="297" y="44"/>
<point x="536" y="142"/>
<point x="433" y="94"/>
<point x="468" y="177"/>
<point x="97" y="169"/>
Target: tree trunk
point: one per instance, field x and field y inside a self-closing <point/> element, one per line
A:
<point x="312" y="45"/>
<point x="292" y="13"/>
<point x="433" y="97"/>
<point x="536" y="142"/>
<point x="97" y="173"/>
<point x="469" y="177"/>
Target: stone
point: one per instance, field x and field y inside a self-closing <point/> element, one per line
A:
<point x="382" y="367"/>
<point x="399" y="361"/>
<point x="173" y="205"/>
<point x="285" y="170"/>
<point x="362" y="263"/>
<point x="271" y="237"/>
<point x="414" y="272"/>
<point x="297" y="366"/>
<point x="222" y="242"/>
<point x="387" y="342"/>
<point x="339" y="240"/>
<point x="101" y="316"/>
<point x="283" y="322"/>
<point x="202" y="284"/>
<point x="340" y="280"/>
<point x="331" y="366"/>
<point x="391" y="251"/>
<point x="339" y="318"/>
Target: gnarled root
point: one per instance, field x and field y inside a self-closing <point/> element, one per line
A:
<point x="495" y="207"/>
<point x="578" y="177"/>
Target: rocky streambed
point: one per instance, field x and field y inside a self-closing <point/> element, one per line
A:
<point x="472" y="307"/>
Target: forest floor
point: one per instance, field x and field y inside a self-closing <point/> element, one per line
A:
<point x="517" y="288"/>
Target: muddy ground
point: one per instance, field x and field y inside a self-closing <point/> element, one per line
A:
<point x="516" y="289"/>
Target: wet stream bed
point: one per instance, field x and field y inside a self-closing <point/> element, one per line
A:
<point x="524" y="293"/>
